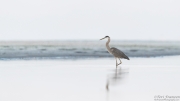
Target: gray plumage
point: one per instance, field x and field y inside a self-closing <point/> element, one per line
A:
<point x="118" y="53"/>
<point x="115" y="52"/>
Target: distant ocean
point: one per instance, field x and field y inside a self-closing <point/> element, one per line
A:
<point x="84" y="49"/>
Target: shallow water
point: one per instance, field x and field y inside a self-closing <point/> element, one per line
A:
<point x="85" y="49"/>
<point x="140" y="79"/>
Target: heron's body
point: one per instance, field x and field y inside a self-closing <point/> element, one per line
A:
<point x="118" y="53"/>
<point x="115" y="52"/>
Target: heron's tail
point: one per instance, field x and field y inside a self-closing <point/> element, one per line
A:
<point x="126" y="57"/>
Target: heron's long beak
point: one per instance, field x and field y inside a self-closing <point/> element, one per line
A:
<point x="103" y="38"/>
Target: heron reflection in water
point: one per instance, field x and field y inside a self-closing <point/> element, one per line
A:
<point x="117" y="77"/>
<point x="115" y="52"/>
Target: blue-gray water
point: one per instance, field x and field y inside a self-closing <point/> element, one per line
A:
<point x="85" y="49"/>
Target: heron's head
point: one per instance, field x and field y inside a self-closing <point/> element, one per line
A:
<point x="105" y="37"/>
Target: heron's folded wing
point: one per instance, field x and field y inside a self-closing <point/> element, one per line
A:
<point x="118" y="53"/>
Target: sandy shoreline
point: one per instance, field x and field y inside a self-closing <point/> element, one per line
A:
<point x="140" y="79"/>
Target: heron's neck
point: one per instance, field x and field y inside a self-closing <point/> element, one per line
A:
<point x="107" y="45"/>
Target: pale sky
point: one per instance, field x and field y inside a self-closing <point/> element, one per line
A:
<point x="89" y="19"/>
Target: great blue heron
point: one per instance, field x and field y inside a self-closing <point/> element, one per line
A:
<point x="115" y="52"/>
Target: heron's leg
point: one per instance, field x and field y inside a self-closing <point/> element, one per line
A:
<point x="107" y="86"/>
<point x="120" y="61"/>
<point x="116" y="63"/>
